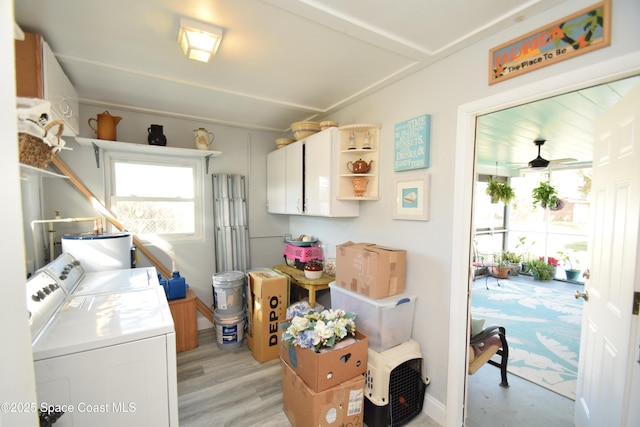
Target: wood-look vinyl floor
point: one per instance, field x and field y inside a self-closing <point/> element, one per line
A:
<point x="229" y="388"/>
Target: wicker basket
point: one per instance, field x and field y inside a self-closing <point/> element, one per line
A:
<point x="33" y="151"/>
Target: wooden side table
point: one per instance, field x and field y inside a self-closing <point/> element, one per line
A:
<point x="298" y="278"/>
<point x="185" y="321"/>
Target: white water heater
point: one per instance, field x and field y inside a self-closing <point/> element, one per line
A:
<point x="109" y="251"/>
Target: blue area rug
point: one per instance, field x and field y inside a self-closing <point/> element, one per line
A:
<point x="543" y="330"/>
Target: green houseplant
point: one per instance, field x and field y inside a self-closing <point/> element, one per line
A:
<point x="572" y="273"/>
<point x="545" y="195"/>
<point x="499" y="190"/>
<point x="539" y="269"/>
<point x="513" y="259"/>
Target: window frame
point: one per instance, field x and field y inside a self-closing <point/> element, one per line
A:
<point x="196" y="164"/>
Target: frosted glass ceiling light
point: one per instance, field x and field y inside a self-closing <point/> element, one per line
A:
<point x="199" y="41"/>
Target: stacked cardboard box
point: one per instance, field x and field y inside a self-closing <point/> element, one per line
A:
<point x="326" y="388"/>
<point x="371" y="270"/>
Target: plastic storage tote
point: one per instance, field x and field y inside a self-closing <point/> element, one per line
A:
<point x="387" y="322"/>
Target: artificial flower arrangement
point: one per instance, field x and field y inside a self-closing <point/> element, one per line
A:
<point x="319" y="329"/>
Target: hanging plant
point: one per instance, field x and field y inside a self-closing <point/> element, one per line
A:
<point x="499" y="191"/>
<point x="545" y="195"/>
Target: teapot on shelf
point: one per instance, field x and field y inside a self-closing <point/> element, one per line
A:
<point x="204" y="138"/>
<point x="106" y="126"/>
<point x="359" y="166"/>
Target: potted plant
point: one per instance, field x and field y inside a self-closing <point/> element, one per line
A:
<point x="572" y="273"/>
<point x="545" y="195"/>
<point x="499" y="190"/>
<point x="502" y="267"/>
<point x="525" y="248"/>
<point x="539" y="269"/>
<point x="513" y="259"/>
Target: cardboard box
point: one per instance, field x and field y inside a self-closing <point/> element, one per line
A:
<point x="342" y="405"/>
<point x="321" y="371"/>
<point x="267" y="301"/>
<point x="372" y="270"/>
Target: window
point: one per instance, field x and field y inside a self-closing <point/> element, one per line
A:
<point x="157" y="196"/>
<point x="536" y="232"/>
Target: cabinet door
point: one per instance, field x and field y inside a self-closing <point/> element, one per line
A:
<point x="59" y="91"/>
<point x="317" y="174"/>
<point x="294" y="178"/>
<point x="321" y="170"/>
<point x="276" y="182"/>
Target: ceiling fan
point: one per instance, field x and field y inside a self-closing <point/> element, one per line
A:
<point x="540" y="163"/>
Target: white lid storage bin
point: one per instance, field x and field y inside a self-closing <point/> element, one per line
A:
<point x="387" y="322"/>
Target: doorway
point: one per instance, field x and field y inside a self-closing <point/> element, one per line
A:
<point x="482" y="398"/>
<point x="465" y="167"/>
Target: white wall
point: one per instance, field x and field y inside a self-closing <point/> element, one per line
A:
<point x="434" y="247"/>
<point x="16" y="362"/>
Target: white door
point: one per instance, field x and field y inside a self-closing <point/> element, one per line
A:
<point x="607" y="346"/>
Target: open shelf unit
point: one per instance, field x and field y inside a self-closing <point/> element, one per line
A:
<point x="353" y="142"/>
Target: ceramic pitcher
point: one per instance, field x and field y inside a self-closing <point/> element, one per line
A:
<point x="204" y="139"/>
<point x="106" y="126"/>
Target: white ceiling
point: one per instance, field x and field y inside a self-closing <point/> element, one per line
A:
<point x="280" y="61"/>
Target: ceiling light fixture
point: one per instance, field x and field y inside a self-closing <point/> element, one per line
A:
<point x="199" y="41"/>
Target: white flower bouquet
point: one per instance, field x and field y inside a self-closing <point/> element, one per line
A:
<point x="317" y="330"/>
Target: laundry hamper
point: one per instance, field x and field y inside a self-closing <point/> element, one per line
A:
<point x="395" y="385"/>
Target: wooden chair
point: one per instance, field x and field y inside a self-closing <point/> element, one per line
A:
<point x="484" y="345"/>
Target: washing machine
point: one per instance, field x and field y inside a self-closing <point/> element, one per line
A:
<point x="105" y="358"/>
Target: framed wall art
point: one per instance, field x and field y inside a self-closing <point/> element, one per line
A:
<point x="581" y="32"/>
<point x="411" y="197"/>
<point x="412" y="140"/>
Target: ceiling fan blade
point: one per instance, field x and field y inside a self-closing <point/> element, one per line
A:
<point x="565" y="160"/>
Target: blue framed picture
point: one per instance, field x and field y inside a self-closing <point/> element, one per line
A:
<point x="412" y="143"/>
<point x="411" y="197"/>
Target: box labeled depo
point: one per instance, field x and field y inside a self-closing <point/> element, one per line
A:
<point x="267" y="301"/>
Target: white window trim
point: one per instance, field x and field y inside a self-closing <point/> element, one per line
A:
<point x="195" y="163"/>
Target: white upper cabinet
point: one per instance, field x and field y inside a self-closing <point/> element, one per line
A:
<point x="309" y="185"/>
<point x="59" y="91"/>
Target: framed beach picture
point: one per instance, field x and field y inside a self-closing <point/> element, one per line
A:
<point x="411" y="197"/>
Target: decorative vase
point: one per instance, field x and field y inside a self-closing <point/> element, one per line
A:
<point x="360" y="185"/>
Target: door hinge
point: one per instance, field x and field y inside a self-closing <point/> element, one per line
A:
<point x="636" y="303"/>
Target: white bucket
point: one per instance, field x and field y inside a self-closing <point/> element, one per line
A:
<point x="229" y="329"/>
<point x="228" y="291"/>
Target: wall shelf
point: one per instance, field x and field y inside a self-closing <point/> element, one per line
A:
<point x="26" y="171"/>
<point x="132" y="147"/>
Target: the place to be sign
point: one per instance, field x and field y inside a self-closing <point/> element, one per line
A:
<point x="582" y="32"/>
<point x="412" y="143"/>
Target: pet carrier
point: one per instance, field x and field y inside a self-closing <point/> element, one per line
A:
<point x="395" y="385"/>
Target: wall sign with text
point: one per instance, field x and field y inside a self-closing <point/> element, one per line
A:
<point x="412" y="140"/>
<point x="579" y="33"/>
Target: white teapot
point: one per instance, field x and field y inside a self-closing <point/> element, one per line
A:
<point x="204" y="139"/>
